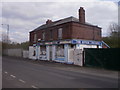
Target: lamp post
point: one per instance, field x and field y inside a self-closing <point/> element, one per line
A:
<point x="7" y="32"/>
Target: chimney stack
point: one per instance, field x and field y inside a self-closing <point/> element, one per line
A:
<point x="81" y="15"/>
<point x="48" y="21"/>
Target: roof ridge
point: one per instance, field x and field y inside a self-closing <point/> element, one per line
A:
<point x="61" y="21"/>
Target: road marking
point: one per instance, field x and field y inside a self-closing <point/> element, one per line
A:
<point x="6" y="72"/>
<point x="13" y="76"/>
<point x="33" y="86"/>
<point x="21" y="80"/>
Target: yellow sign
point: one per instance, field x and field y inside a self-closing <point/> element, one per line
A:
<point x="65" y="42"/>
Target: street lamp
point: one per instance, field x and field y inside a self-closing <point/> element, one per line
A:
<point x="7" y="32"/>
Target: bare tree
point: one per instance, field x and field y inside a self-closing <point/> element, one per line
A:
<point x="114" y="30"/>
<point x="114" y="39"/>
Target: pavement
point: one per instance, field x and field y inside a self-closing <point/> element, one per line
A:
<point x="25" y="73"/>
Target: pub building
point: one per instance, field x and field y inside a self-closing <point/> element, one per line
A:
<point x="64" y="40"/>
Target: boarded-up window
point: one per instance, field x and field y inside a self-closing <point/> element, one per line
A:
<point x="60" y="51"/>
<point x="60" y="33"/>
<point x="51" y="34"/>
<point x="43" y="35"/>
<point x="42" y="50"/>
<point x="35" y="37"/>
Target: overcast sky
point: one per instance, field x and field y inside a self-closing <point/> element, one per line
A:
<point x="24" y="17"/>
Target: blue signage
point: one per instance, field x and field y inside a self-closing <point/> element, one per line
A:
<point x="38" y="44"/>
<point x="86" y="42"/>
<point x="74" y="42"/>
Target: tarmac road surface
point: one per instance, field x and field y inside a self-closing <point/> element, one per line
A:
<point x="19" y="73"/>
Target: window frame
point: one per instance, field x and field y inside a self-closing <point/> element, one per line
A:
<point x="51" y="34"/>
<point x="60" y="33"/>
<point x="43" y="35"/>
<point x="35" y="37"/>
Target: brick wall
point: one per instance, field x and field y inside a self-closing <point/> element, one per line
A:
<point x="31" y="36"/>
<point x="71" y="30"/>
<point x="81" y="31"/>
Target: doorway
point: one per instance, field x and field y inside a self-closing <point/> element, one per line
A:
<point x="50" y="50"/>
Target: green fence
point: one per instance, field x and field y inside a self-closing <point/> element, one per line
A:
<point x="107" y="58"/>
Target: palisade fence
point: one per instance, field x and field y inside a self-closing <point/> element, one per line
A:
<point x="107" y="58"/>
<point x="16" y="52"/>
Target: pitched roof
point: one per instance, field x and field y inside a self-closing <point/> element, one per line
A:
<point x="61" y="21"/>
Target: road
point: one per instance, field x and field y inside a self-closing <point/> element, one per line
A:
<point x="24" y="74"/>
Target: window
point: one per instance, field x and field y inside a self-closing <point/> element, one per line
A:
<point x="59" y="51"/>
<point x="42" y="50"/>
<point x="34" y="51"/>
<point x="98" y="33"/>
<point x="43" y="35"/>
<point x="51" y="34"/>
<point x="60" y="33"/>
<point x="73" y="46"/>
<point x="35" y="37"/>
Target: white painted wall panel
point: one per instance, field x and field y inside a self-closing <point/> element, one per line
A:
<point x="48" y="52"/>
<point x="78" y="58"/>
<point x="70" y="55"/>
<point x="53" y="52"/>
<point x="25" y="54"/>
<point x="31" y="52"/>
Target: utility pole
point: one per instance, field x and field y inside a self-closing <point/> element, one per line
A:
<point x="7" y="32"/>
<point x="7" y="37"/>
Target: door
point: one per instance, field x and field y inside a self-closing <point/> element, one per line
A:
<point x="50" y="49"/>
<point x="78" y="57"/>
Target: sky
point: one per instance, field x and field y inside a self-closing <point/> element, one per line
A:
<point x="24" y="17"/>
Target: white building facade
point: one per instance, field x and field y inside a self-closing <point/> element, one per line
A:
<point x="64" y="51"/>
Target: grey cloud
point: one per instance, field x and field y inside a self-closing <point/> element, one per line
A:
<point x="23" y="17"/>
<point x="26" y="11"/>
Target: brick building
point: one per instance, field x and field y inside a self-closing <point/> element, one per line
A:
<point x="61" y="40"/>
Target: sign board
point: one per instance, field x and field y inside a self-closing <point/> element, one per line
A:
<point x="74" y="41"/>
<point x="48" y="43"/>
<point x="38" y="44"/>
<point x="65" y="42"/>
<point x="88" y="42"/>
<point x="56" y="42"/>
